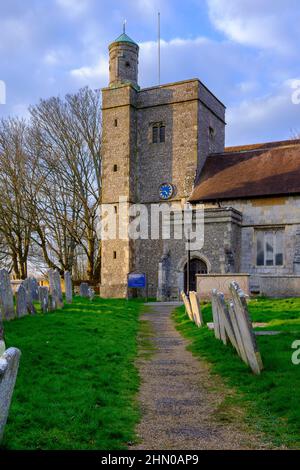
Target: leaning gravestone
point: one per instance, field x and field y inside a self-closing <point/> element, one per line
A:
<point x="215" y="314"/>
<point x="9" y="363"/>
<point x="245" y="328"/>
<point x="44" y="298"/>
<point x="187" y="305"/>
<point x="84" y="289"/>
<point x="21" y="302"/>
<point x="6" y="296"/>
<point x="196" y="309"/>
<point x="68" y="287"/>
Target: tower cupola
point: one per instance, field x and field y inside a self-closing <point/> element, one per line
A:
<point x="123" y="61"/>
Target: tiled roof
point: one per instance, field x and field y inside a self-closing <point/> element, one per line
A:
<point x="250" y="171"/>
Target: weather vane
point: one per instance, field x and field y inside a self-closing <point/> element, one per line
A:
<point x="124" y="26"/>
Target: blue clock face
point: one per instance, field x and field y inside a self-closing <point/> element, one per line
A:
<point x="166" y="190"/>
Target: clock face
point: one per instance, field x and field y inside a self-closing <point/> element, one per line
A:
<point x="166" y="191"/>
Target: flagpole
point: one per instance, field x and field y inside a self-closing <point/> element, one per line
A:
<point x="158" y="48"/>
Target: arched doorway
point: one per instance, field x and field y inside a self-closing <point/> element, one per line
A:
<point x="197" y="266"/>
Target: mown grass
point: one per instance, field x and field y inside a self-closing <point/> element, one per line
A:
<point x="271" y="400"/>
<point x="77" y="382"/>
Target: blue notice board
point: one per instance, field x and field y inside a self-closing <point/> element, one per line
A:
<point x="137" y="280"/>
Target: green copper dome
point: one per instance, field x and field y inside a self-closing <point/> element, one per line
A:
<point x="124" y="38"/>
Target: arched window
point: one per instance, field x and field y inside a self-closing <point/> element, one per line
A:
<point x="158" y="133"/>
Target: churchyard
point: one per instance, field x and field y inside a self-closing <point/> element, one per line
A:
<point x="83" y="362"/>
<point x="271" y="399"/>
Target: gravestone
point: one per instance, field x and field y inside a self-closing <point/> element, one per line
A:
<point x="245" y="327"/>
<point x="44" y="298"/>
<point x="187" y="305"/>
<point x="9" y="364"/>
<point x="34" y="287"/>
<point x="57" y="286"/>
<point x="7" y="310"/>
<point x="21" y="302"/>
<point x="84" y="289"/>
<point x="2" y="342"/>
<point x="91" y="293"/>
<point x="51" y="303"/>
<point x="225" y="319"/>
<point x="68" y="287"/>
<point x="215" y="314"/>
<point x="196" y="309"/>
<point x="55" y="289"/>
<point x="29" y="300"/>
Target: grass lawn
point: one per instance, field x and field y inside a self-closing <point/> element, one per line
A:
<point x="271" y="400"/>
<point x="77" y="382"/>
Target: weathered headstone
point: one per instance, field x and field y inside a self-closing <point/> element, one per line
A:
<point x="187" y="305"/>
<point x="226" y="321"/>
<point x="68" y="287"/>
<point x="91" y="293"/>
<point x="44" y="298"/>
<point x="34" y="287"/>
<point x="2" y="342"/>
<point x="9" y="363"/>
<point x="55" y="289"/>
<point x="57" y="282"/>
<point x="21" y="302"/>
<point x="215" y="314"/>
<point x="196" y="309"/>
<point x="7" y="310"/>
<point x="245" y="328"/>
<point x="84" y="289"/>
<point x="237" y="333"/>
<point x="51" y="303"/>
<point x="27" y="286"/>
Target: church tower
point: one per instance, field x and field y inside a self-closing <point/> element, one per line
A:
<point x="154" y="144"/>
<point x="119" y="159"/>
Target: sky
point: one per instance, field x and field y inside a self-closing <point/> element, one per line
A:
<point x="245" y="51"/>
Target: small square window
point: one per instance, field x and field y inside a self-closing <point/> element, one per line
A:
<point x="115" y="168"/>
<point x="115" y="255"/>
<point x="116" y="122"/>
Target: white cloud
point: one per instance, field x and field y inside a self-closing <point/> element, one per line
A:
<point x="271" y="24"/>
<point x="270" y="117"/>
<point x="96" y="74"/>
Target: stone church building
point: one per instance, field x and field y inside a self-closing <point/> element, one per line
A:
<point x="167" y="143"/>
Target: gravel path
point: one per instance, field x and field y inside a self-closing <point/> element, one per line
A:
<point x="179" y="398"/>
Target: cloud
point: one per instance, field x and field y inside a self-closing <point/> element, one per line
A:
<point x="271" y="24"/>
<point x="74" y="8"/>
<point x="270" y="117"/>
<point x="96" y="74"/>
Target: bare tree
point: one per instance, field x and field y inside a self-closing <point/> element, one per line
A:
<point x="66" y="134"/>
<point x="17" y="182"/>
